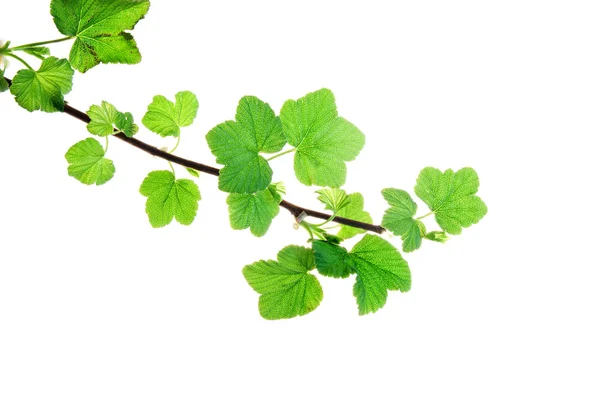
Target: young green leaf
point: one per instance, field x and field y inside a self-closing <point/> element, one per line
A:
<point x="99" y="30"/>
<point x="45" y="88"/>
<point x="287" y="288"/>
<point x="103" y="119"/>
<point x="166" y="118"/>
<point x="124" y="123"/>
<point x="323" y="141"/>
<point x="354" y="210"/>
<point x="332" y="260"/>
<point x="451" y="196"/>
<point x="380" y="268"/>
<point x="88" y="164"/>
<point x="3" y="81"/>
<point x="399" y="218"/>
<point x="193" y="173"/>
<point x="237" y="144"/>
<point x="334" y="199"/>
<point x="168" y="198"/>
<point x="437" y="236"/>
<point x="256" y="211"/>
<point x="40" y="52"/>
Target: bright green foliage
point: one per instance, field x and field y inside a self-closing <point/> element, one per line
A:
<point x="88" y="164"/>
<point x="399" y="218"/>
<point x="193" y="173"/>
<point x="332" y="260"/>
<point x="287" y="288"/>
<point x="380" y="268"/>
<point x="166" y="118"/>
<point x="334" y="199"/>
<point x="168" y="198"/>
<point x="256" y="211"/>
<point x="45" y="88"/>
<point x="98" y="28"/>
<point x="323" y="141"/>
<point x="105" y="118"/>
<point x="451" y="196"/>
<point x="124" y="123"/>
<point x="237" y="144"/>
<point x="3" y="82"/>
<point x="437" y="236"/>
<point x="354" y="210"/>
<point x="40" y="52"/>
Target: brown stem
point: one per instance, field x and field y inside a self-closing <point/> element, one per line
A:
<point x="295" y="210"/>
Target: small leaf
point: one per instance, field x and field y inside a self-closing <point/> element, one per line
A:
<point x="399" y="218"/>
<point x="354" y="210"/>
<point x="87" y="163"/>
<point x="380" y="268"/>
<point x="166" y="118"/>
<point x="287" y="288"/>
<point x="332" y="260"/>
<point x="40" y="52"/>
<point x="256" y="211"/>
<point x="334" y="199"/>
<point x="103" y="119"/>
<point x="437" y="236"/>
<point x="323" y="141"/>
<point x="45" y="88"/>
<point x="124" y="123"/>
<point x="193" y="173"/>
<point x="168" y="198"/>
<point x="99" y="30"/>
<point x="451" y="196"/>
<point x="237" y="144"/>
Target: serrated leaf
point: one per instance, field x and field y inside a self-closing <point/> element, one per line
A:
<point x="399" y="218"/>
<point x="40" y="52"/>
<point x="323" y="141"/>
<point x="380" y="268"/>
<point x="255" y="211"/>
<point x="332" y="260"/>
<point x="88" y="164"/>
<point x="451" y="196"/>
<point x="166" y="118"/>
<point x="102" y="118"/>
<point x="45" y="88"/>
<point x="237" y="144"/>
<point x="99" y="30"/>
<point x="169" y="198"/>
<point x="354" y="210"/>
<point x="334" y="199"/>
<point x="287" y="288"/>
<point x="124" y="123"/>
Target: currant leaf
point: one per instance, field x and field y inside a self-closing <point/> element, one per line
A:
<point x="166" y="118"/>
<point x="255" y="211"/>
<point x="399" y="218"/>
<point x="88" y="164"/>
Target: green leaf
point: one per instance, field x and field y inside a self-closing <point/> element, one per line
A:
<point x="45" y="88"/>
<point x="354" y="210"/>
<point x="323" y="141"/>
<point x="88" y="164"/>
<point x="166" y="118"/>
<point x="168" y="198"/>
<point x="437" y="236"/>
<point x="287" y="288"/>
<point x="256" y="211"/>
<point x="237" y="144"/>
<point x="332" y="260"/>
<point x="124" y="123"/>
<point x="3" y="81"/>
<point x="40" y="52"/>
<point x="193" y="173"/>
<point x="399" y="218"/>
<point x="380" y="268"/>
<point x="99" y="30"/>
<point x="334" y="199"/>
<point x="451" y="196"/>
<point x="103" y="119"/>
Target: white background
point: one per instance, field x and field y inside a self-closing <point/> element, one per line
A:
<point x="97" y="305"/>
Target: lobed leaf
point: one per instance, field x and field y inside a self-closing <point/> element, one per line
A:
<point x="399" y="218"/>
<point x="334" y="199"/>
<point x="166" y="118"/>
<point x="88" y="164"/>
<point x="354" y="210"/>
<point x="255" y="211"/>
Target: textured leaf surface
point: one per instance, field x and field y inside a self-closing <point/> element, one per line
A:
<point x="256" y="211"/>
<point x="88" y="164"/>
<point x="166" y="118"/>
<point x="334" y="199"/>
<point x="451" y="196"/>
<point x="103" y="119"/>
<point x="332" y="260"/>
<point x="124" y="123"/>
<point x="99" y="30"/>
<point x="399" y="218"/>
<point x="323" y="141"/>
<point x="354" y="210"/>
<point x="380" y="268"/>
<point x="45" y="88"/>
<point x="237" y="144"/>
<point x="168" y="198"/>
<point x="287" y="288"/>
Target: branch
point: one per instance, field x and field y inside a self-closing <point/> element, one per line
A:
<point x="295" y="210"/>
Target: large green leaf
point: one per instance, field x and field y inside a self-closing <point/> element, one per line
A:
<point x="45" y="88"/>
<point x="255" y="211"/>
<point x="237" y="144"/>
<point x="99" y="30"/>
<point x="166" y="118"/>
<point x="323" y="141"/>
<point x="287" y="288"/>
<point x="88" y="164"/>
<point x="451" y="196"/>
